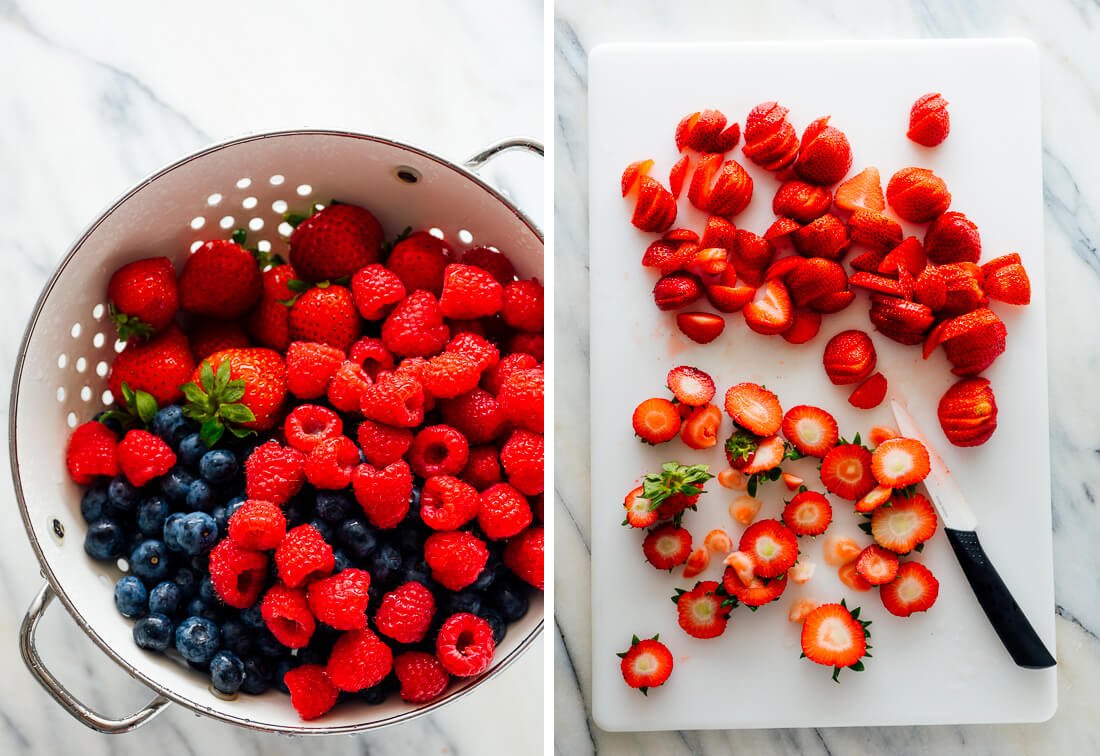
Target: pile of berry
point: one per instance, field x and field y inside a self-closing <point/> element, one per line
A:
<point x="324" y="476"/>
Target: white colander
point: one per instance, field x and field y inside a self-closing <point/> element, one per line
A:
<point x="60" y="374"/>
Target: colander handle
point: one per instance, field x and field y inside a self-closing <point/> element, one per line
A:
<point x="59" y="692"/>
<point x="504" y="145"/>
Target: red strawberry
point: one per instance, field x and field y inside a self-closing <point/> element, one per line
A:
<point x="718" y="232"/>
<point x="654" y="206"/>
<point x="780" y="228"/>
<point x="676" y="291"/>
<point x="876" y="565"/>
<point x="646" y="664"/>
<point x="900" y="462"/>
<point x="757" y="592"/>
<point x="770" y="140"/>
<point x="904" y="322"/>
<point x="835" y="637"/>
<point x="917" y="195"/>
<point x="861" y="192"/>
<point x="676" y="488"/>
<point x="849" y="357"/>
<point x="335" y="242"/>
<point x="963" y="286"/>
<point x="656" y="420"/>
<point x="870" y="393"/>
<point x="754" y="408"/>
<point x="325" y="314"/>
<point x="908" y="255"/>
<point x="158" y="366"/>
<point x="269" y="321"/>
<point x="907" y="522"/>
<point x="237" y="389"/>
<point x="700" y="327"/>
<point x="678" y="174"/>
<point x="420" y="260"/>
<point x="770" y="310"/>
<point x="952" y="238"/>
<point x="867" y="228"/>
<point x="772" y="546"/>
<point x="697" y="562"/>
<point x="815" y="278"/>
<point x="968" y="412"/>
<point x="846" y="471"/>
<point x="729" y="298"/>
<point x="720" y="187"/>
<point x="750" y="255"/>
<point x="931" y="288"/>
<point x="670" y="255"/>
<point x="878" y="496"/>
<point x="633" y="173"/>
<point x="808" y="513"/>
<point x="824" y="155"/>
<point x="826" y="237"/>
<point x="638" y="512"/>
<point x="220" y="279"/>
<point x="915" y="589"/>
<point x="706" y="131"/>
<point x="667" y="547"/>
<point x="801" y="201"/>
<point x="834" y="302"/>
<point x="804" y="326"/>
<point x="690" y="385"/>
<point x="879" y="284"/>
<point x="207" y="336"/>
<point x="929" y="122"/>
<point x="973" y="347"/>
<point x="784" y="267"/>
<point x="869" y="261"/>
<point x="1007" y="283"/>
<point x="811" y="430"/>
<point x="701" y="611"/>
<point x="92" y="451"/>
<point x="768" y="456"/>
<point x="143" y="297"/>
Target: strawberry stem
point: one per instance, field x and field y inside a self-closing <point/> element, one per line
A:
<point x="215" y="403"/>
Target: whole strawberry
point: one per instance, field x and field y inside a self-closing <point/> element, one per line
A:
<point x="419" y="260"/>
<point x="325" y="314"/>
<point x="236" y="390"/>
<point x="143" y="297"/>
<point x="158" y="366"/>
<point x="335" y="242"/>
<point x="220" y="279"/>
<point x="269" y="321"/>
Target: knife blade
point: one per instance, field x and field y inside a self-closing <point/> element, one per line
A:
<point x="960" y="524"/>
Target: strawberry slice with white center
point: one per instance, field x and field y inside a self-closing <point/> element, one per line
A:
<point x="754" y="408"/>
<point x="808" y="513"/>
<point x="772" y="546"/>
<point x="667" y="547"/>
<point x="768" y="456"/>
<point x="812" y="430"/>
<point x="770" y="311"/>
<point x="656" y="420"/>
<point x="905" y="523"/>
<point x="690" y="385"/>
<point x="913" y="590"/>
<point x="876" y="565"/>
<point x="646" y="664"/>
<point x="878" y="496"/>
<point x="900" y="462"/>
<point x="835" y="637"/>
<point x="757" y="592"/>
<point x="700" y="611"/>
<point x="639" y="514"/>
<point x="846" y="471"/>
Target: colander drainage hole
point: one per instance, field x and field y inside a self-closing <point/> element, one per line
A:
<point x="58" y="529"/>
<point x="214" y="199"/>
<point x="75" y="331"/>
<point x="123" y="564"/>
<point x="249" y="202"/>
<point x="244" y="183"/>
<point x="407" y="174"/>
<point x="198" y="222"/>
<point x="276" y="180"/>
<point x="279" y="206"/>
<point x="437" y="233"/>
<point x="465" y="236"/>
<point x="97" y="311"/>
<point x="304" y="190"/>
<point x="255" y="224"/>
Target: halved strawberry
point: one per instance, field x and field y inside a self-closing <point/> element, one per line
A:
<point x="690" y="385"/>
<point x="781" y="227"/>
<point x="730" y="298"/>
<point x="878" y="496"/>
<point x="908" y="255"/>
<point x="700" y="429"/>
<point x="792" y="482"/>
<point x="846" y="471"/>
<point x="834" y="302"/>
<point x="757" y="592"/>
<point x="870" y="393"/>
<point x="718" y="541"/>
<point x="656" y="420"/>
<point x="770" y="310"/>
<point x="915" y="589"/>
<point x="904" y="322"/>
<point x="849" y="357"/>
<point x="805" y="324"/>
<point x="706" y="131"/>
<point x="638" y="512"/>
<point x="676" y="290"/>
<point x="654" y="206"/>
<point x="929" y="122"/>
<point x="700" y="327"/>
<point x="754" y="408"/>
<point x="801" y="201"/>
<point x="667" y="547"/>
<point x="880" y="284"/>
<point x="848" y="575"/>
<point x="633" y="172"/>
<point x="772" y="546"/>
<point x="873" y="230"/>
<point x="905" y="523"/>
<point x="742" y="566"/>
<point x="1008" y="284"/>
<point x="931" y="288"/>
<point x="646" y="664"/>
<point x="719" y="187"/>
<point x="696" y="562"/>
<point x="825" y="237"/>
<point x="718" y="232"/>
<point x="861" y="192"/>
<point x="900" y="462"/>
<point x="812" y="430"/>
<point x="768" y="456"/>
<point x="808" y="513"/>
<point x="876" y="565"/>
<point x="677" y="175"/>
<point x="701" y="611"/>
<point x="835" y="637"/>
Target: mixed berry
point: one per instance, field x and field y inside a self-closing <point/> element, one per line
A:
<point x="323" y="476"/>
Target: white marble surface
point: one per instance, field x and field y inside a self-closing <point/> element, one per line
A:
<point x="95" y="97"/>
<point x="1067" y="33"/>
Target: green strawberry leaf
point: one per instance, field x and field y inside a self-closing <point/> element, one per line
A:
<point x="234" y="392"/>
<point x="211" y="432"/>
<point x="206" y="376"/>
<point x="146" y="406"/>
<point x="295" y="219"/>
<point x="241" y="432"/>
<point x="297" y="285"/>
<point x="238" y="236"/>
<point x="193" y="393"/>
<point x="236" y="413"/>
<point x="221" y="378"/>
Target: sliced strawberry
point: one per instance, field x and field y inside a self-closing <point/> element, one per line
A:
<point x="754" y="408"/>
<point x="861" y="192"/>
<point x="709" y="261"/>
<point x="676" y="290"/>
<point x="805" y="324"/>
<point x="900" y="462"/>
<point x="656" y="420"/>
<point x="742" y="566"/>
<point x="878" y="496"/>
<point x="909" y="255"/>
<point x="792" y="482"/>
<point x="675" y="488"/>
<point x="904" y="322"/>
<point x="814" y="278"/>
<point x="667" y="547"/>
<point x="770" y="310"/>
<point x="870" y="393"/>
<point x="718" y="541"/>
<point x="730" y="298"/>
<point x="808" y="513"/>
<point x="880" y="433"/>
<point x="768" y="456"/>
<point x="757" y="592"/>
<point x="835" y="637"/>
<point x="783" y="267"/>
<point x="720" y="187"/>
<point x="835" y="302"/>
<point x="968" y="412"/>
<point x="846" y="471"/>
<point x="677" y="175"/>
<point x="849" y="357"/>
<point x="780" y="228"/>
<point x="840" y="550"/>
<point x="772" y="546"/>
<point x="848" y="575"/>
<point x="718" y="232"/>
<point x="690" y="385"/>
<point x="743" y="509"/>
<point x="825" y="237"/>
<point x="812" y="430"/>
<point x="696" y="562"/>
<point x="700" y="429"/>
<point x="873" y="230"/>
<point x="706" y="131"/>
<point x="638" y="512"/>
<point x="801" y="572"/>
<point x="876" y="565"/>
<point x="869" y="261"/>
<point x="700" y="611"/>
<point x="872" y="282"/>
<point x="801" y="201"/>
<point x="646" y="664"/>
<point x="700" y="327"/>
<point x="931" y="288"/>
<point x="801" y="609"/>
<point x="915" y="589"/>
<point x="654" y="207"/>
<point x="633" y="172"/>
<point x="1008" y="284"/>
<point x="905" y="523"/>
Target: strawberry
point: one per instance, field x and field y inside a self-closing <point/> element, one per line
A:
<point x="701" y="612"/>
<point x="420" y="260"/>
<point x="824" y="155"/>
<point x="678" y="290"/>
<point x="770" y="310"/>
<point x="849" y="357"/>
<point x="1007" y="283"/>
<point x="268" y="323"/>
<point x="848" y="575"/>
<point x="973" y="345"/>
<point x="718" y="541"/>
<point x="840" y="550"/>
<point x="900" y="462"/>
<point x="690" y="385"/>
<point x="931" y="288"/>
<point x="815" y="278"/>
<point x="667" y="546"/>
<point x="878" y="284"/>
<point x="784" y="267"/>
<point x="646" y="664"/>
<point x="710" y="261"/>
<point x="718" y="232"/>
<point x="729" y="298"/>
<point x="831" y="303"/>
<point x="801" y="609"/>
<point x="792" y="482"/>
<point x="700" y="428"/>
<point x="670" y="255"/>
<point x="908" y="255"/>
<point x="754" y="408"/>
<point x="876" y="565"/>
<point x="677" y="486"/>
<point x="826" y="237"/>
<point x="811" y="430"/>
<point x="697" y="562"/>
<point x="677" y="175"/>
<point x="835" y="637"/>
<point x="968" y="412"/>
<point x="700" y="327"/>
<point x="706" y="131"/>
<point x="207" y="336"/>
<point x="802" y="572"/>
<point x="92" y="451"/>
<point x="871" y="501"/>
<point x="633" y="173"/>
<point x="656" y="420"/>
<point x="904" y="322"/>
<point x="772" y="546"/>
<point x="929" y="122"/>
<point x="720" y="187"/>
<point x="873" y="230"/>
<point x="220" y="279"/>
<point x="742" y="566"/>
<point x="780" y="228"/>
<point x="740" y="448"/>
<point x="808" y="513"/>
<point x="917" y="195"/>
<point x="768" y="456"/>
<point x="870" y="393"/>
<point x="963" y="289"/>
<point x="335" y="242"/>
<point x="770" y="140"/>
<point x="237" y="390"/>
<point x="903" y="525"/>
<point x="868" y="261"/>
<point x="951" y="238"/>
<point x="804" y="326"/>
<point x="846" y="471"/>
<point x="654" y="206"/>
<point x="143" y="297"/>
<point x="325" y="314"/>
<point x="861" y="192"/>
<point x="158" y="366"/>
<point x="801" y="201"/>
<point x="915" y="589"/>
<point x="750" y="255"/>
<point x="638" y="512"/>
<point x="880" y="433"/>
<point x="757" y="592"/>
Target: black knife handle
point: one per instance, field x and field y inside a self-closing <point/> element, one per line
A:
<point x="1015" y="632"/>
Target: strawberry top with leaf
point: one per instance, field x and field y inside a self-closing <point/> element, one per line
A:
<point x="220" y="279"/>
<point x="335" y="242"/>
<point x="674" y="479"/>
<point x="143" y="297"/>
<point x="239" y="390"/>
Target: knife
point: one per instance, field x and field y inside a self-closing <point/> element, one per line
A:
<point x="960" y="524"/>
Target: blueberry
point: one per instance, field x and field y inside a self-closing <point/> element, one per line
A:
<point x="165" y="598"/>
<point x="335" y="506"/>
<point x="131" y="598"/>
<point x="297" y="511"/>
<point x="257" y="675"/>
<point x="415" y="569"/>
<point x="267" y="644"/>
<point x="170" y="424"/>
<point x="493" y="569"/>
<point x="236" y="637"/>
<point x="325" y="529"/>
<point x="151" y="514"/>
<point x="196" y="607"/>
<point x="198" y="532"/>
<point x="191" y="449"/>
<point x="149" y="561"/>
<point x="176" y="484"/>
<point x="496" y="622"/>
<point x="122" y="498"/>
<point x="234" y="504"/>
<point x="226" y="672"/>
<point x="173" y="527"/>
<point x="94" y="502"/>
<point x="133" y="540"/>
<point x="385" y="563"/>
<point x="374" y="695"/>
<point x="358" y="538"/>
<point x="206" y="590"/>
<point x="252" y="618"/>
<point x="411" y="537"/>
<point x="218" y="466"/>
<point x="105" y="539"/>
<point x="197" y="639"/>
<point x="464" y="601"/>
<point x="340" y="561"/>
<point x="282" y="666"/>
<point x="153" y="631"/>
<point x="200" y="563"/>
<point x="221" y="519"/>
<point x="510" y="599"/>
<point x="110" y="422"/>
<point x="200" y="496"/>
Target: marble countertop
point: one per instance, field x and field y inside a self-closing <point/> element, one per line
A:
<point x="95" y="100"/>
<point x="1066" y="34"/>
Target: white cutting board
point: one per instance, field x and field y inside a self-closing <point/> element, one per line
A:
<point x="943" y="667"/>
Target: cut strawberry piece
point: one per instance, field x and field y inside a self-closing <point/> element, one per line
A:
<point x="772" y="546"/>
<point x="831" y="303"/>
<point x="861" y="192"/>
<point x="1008" y="284"/>
<point x="878" y="496"/>
<point x="801" y="201"/>
<point x="909" y="255"/>
<point x="718" y="232"/>
<point x="718" y="541"/>
<point x="929" y="122"/>
<point x="667" y="547"/>
<point x="639" y="514"/>
<point x="968" y="412"/>
<point x="973" y="352"/>
<point x="849" y="357"/>
<point x="706" y="131"/>
<point x="872" y="230"/>
<point x="881" y="284"/>
<point x="876" y="565"/>
<point x="743" y="509"/>
<point x="808" y="513"/>
<point x="814" y="278"/>
<point x="835" y="637"/>
<point x="646" y="664"/>
<point x="868" y="261"/>
<point x="846" y="471"/>
<point x="826" y="237"/>
<point x="633" y="173"/>
<point x="720" y="187"/>
<point x="696" y="562"/>
<point x="742" y="566"/>
<point x="730" y="298"/>
<point x="780" y="228"/>
<point x="904" y="322"/>
<point x="1012" y="258"/>
<point x="880" y="433"/>
<point x="757" y="592"/>
<point x="824" y="155"/>
<point x="751" y="255"/>
<point x="770" y="310"/>
<point x="700" y="327"/>
<point x="690" y="385"/>
<point x="701" y="611"/>
<point x="812" y="430"/>
<point x="870" y="393"/>
<point x="783" y="267"/>
<point x="953" y="238"/>
<point x="792" y="482"/>
<point x="905" y="523"/>
<point x="840" y="550"/>
<point x="700" y="429"/>
<point x="917" y="195"/>
<point x="671" y="292"/>
<point x="754" y="408"/>
<point x="964" y="288"/>
<point x="931" y="288"/>
<point x="801" y="609"/>
<point x="805" y="324"/>
<point x="709" y="261"/>
<point x="677" y="175"/>
<point x="801" y="572"/>
<point x="848" y="575"/>
<point x="654" y="207"/>
<point x="915" y="589"/>
<point x="900" y="462"/>
<point x="656" y="420"/>
<point x="768" y="456"/>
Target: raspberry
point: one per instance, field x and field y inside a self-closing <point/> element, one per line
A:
<point x="348" y="384"/>
<point x="503" y="513"/>
<point x="416" y="328"/>
<point x="483" y="468"/>
<point x="406" y="613"/>
<point x="438" y="450"/>
<point x="359" y="660"/>
<point x="237" y="573"/>
<point x="522" y="456"/>
<point x="476" y="414"/>
<point x="257" y="525"/>
<point x="312" y="694"/>
<point x="383" y="444"/>
<point x="309" y="367"/>
<point x="340" y="601"/>
<point x="384" y="494"/>
<point x="469" y="292"/>
<point x="309" y="424"/>
<point x="92" y="451"/>
<point x="495" y="377"/>
<point x="375" y="290"/>
<point x="447" y="503"/>
<point x="521" y="399"/>
<point x="331" y="463"/>
<point x="286" y="613"/>
<point x="523" y="556"/>
<point x="143" y="456"/>
<point x="527" y="343"/>
<point x="419" y="261"/>
<point x="455" y="557"/>
<point x="421" y="675"/>
<point x="274" y="473"/>
<point x="303" y="556"/>
<point x="394" y="400"/>
<point x="476" y="346"/>
<point x="523" y="305"/>
<point x="450" y="374"/>
<point x="371" y="354"/>
<point x="465" y="645"/>
<point x="498" y="265"/>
